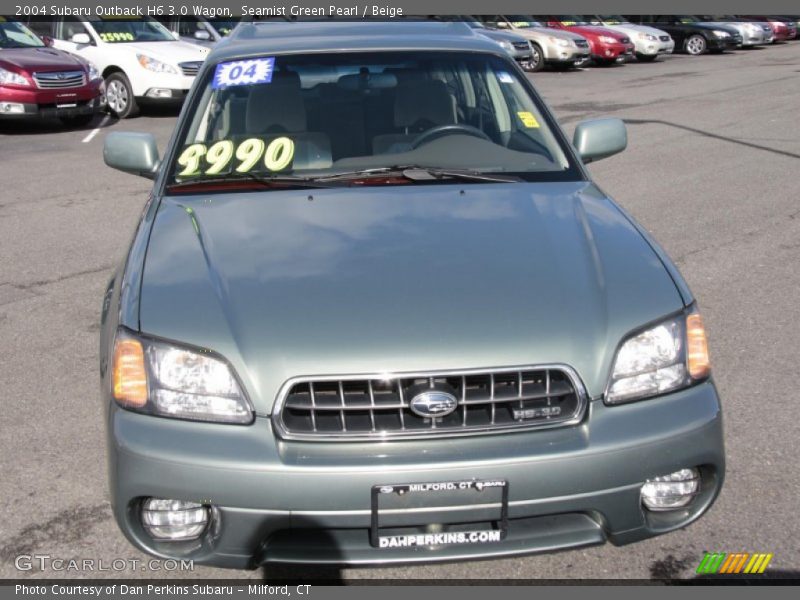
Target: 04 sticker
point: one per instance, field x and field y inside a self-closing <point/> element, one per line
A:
<point x="243" y="72"/>
<point x="252" y="154"/>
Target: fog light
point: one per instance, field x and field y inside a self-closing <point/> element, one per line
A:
<point x="12" y="108"/>
<point x="174" y="520"/>
<point x="668" y="492"/>
<point x="159" y="93"/>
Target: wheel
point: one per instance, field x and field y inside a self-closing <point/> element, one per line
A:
<point x="77" y="121"/>
<point x="646" y="57"/>
<point x="119" y="96"/>
<point x="537" y="58"/>
<point x="695" y="44"/>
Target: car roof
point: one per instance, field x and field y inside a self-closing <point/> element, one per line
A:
<point x="288" y="37"/>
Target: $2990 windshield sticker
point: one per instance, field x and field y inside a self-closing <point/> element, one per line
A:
<point x="243" y="72"/>
<point x="251" y="154"/>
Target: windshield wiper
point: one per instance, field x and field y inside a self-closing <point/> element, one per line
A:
<point x="420" y="173"/>
<point x="265" y="180"/>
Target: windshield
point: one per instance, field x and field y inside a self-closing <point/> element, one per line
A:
<point x="523" y="21"/>
<point x="14" y="34"/>
<point x="130" y="30"/>
<point x="613" y="20"/>
<point x="569" y="20"/>
<point x="223" y="26"/>
<point x="326" y="114"/>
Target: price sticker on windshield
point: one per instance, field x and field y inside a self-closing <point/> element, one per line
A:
<point x="528" y="120"/>
<point x="227" y="157"/>
<point x="243" y="72"/>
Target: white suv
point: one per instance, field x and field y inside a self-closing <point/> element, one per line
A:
<point x="139" y="59"/>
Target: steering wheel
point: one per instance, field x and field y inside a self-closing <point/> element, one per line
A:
<point x="442" y="130"/>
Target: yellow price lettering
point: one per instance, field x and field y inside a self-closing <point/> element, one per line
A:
<point x="279" y="154"/>
<point x="249" y="152"/>
<point x="218" y="156"/>
<point x="190" y="159"/>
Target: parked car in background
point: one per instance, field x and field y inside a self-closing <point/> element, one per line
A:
<point x="199" y="30"/>
<point x="40" y="81"/>
<point x="648" y="42"/>
<point x="754" y="33"/>
<point x="690" y="34"/>
<point x="558" y="49"/>
<point x="606" y="45"/>
<point x="517" y="46"/>
<point x="783" y="28"/>
<point x="139" y="59"/>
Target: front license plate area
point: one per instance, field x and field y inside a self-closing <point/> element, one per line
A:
<point x="440" y="495"/>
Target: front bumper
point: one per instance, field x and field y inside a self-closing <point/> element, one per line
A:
<point x="53" y="111"/>
<point x="310" y="502"/>
<point x="654" y="48"/>
<point x="728" y="43"/>
<point x="564" y="54"/>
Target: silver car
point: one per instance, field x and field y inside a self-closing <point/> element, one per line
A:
<point x="754" y="33"/>
<point x="649" y="43"/>
<point x="376" y="311"/>
<point x="517" y="46"/>
<point x="558" y="49"/>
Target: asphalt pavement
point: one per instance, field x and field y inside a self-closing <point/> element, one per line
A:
<point x="711" y="169"/>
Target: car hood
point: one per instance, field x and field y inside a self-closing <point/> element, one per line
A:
<point x="39" y="59"/>
<point x="168" y="52"/>
<point x="632" y="30"/>
<point x="498" y="36"/>
<point x="595" y="30"/>
<point x="393" y="279"/>
<point x="536" y="33"/>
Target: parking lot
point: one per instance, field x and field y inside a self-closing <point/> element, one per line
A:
<point x="711" y="169"/>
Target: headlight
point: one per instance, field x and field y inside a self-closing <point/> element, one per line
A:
<point x="160" y="378"/>
<point x="507" y="46"/>
<point x="93" y="72"/>
<point x="151" y="64"/>
<point x="663" y="358"/>
<point x="647" y="36"/>
<point x="558" y="41"/>
<point x="9" y="77"/>
<point x="720" y="33"/>
<point x="606" y="39"/>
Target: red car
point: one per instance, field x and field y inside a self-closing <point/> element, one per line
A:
<point x="605" y="45"/>
<point x="783" y="30"/>
<point x="39" y="81"/>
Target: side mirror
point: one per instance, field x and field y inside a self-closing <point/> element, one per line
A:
<point x="48" y="41"/>
<point x="202" y="34"/>
<point x="600" y="138"/>
<point x="134" y="153"/>
<point x="81" y="39"/>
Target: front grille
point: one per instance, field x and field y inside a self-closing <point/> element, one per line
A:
<point x="664" y="38"/>
<point x="582" y="43"/>
<point x="378" y="406"/>
<point x="521" y="45"/>
<point x="59" y="79"/>
<point x="190" y="69"/>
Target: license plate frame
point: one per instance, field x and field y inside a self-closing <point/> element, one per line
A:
<point x="470" y="485"/>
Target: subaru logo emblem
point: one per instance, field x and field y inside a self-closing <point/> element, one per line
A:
<point x="433" y="404"/>
<point x="61" y="76"/>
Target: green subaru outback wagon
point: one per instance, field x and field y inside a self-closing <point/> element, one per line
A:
<point x="376" y="311"/>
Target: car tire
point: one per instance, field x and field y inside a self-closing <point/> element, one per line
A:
<point x="119" y="96"/>
<point x="695" y="45"/>
<point x="78" y="121"/>
<point x="537" y="58"/>
<point x="646" y="57"/>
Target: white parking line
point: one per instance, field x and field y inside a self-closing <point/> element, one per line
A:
<point x="96" y="130"/>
